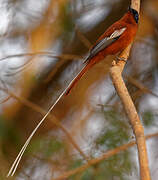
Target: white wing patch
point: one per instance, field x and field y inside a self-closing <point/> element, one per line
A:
<point x="103" y="43"/>
<point x="116" y="33"/>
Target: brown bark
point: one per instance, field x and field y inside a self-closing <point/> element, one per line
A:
<point x="116" y="75"/>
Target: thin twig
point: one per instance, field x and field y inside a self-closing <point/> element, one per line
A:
<point x="106" y="155"/>
<point x="5" y="100"/>
<point x="140" y="85"/>
<point x="43" y="53"/>
<point x="116" y="75"/>
<point x="53" y="71"/>
<point x="83" y="39"/>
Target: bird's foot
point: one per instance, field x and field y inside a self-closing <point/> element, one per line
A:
<point x="121" y="59"/>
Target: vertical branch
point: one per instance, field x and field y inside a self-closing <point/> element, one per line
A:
<point x="116" y="75"/>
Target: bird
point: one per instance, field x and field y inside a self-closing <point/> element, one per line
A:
<point x="114" y="40"/>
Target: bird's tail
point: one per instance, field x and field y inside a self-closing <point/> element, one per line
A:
<point x="78" y="77"/>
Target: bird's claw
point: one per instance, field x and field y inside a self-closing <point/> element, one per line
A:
<point x="121" y="59"/>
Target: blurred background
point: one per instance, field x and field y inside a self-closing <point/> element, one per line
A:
<point x="42" y="47"/>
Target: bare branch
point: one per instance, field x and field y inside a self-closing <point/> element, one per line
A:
<point x="116" y="75"/>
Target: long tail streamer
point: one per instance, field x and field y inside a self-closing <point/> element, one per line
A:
<point x="19" y="156"/>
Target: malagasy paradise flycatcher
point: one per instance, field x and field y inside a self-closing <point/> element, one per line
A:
<point x="115" y="39"/>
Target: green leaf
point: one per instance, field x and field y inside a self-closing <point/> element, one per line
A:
<point x="148" y="118"/>
<point x="53" y="146"/>
<point x="75" y="164"/>
<point x="66" y="18"/>
<point x="46" y="146"/>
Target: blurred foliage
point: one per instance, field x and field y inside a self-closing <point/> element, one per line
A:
<point x="75" y="164"/>
<point x="47" y="147"/>
<point x="86" y="175"/>
<point x="9" y="134"/>
<point x="66" y="19"/>
<point x="116" y="132"/>
<point x="148" y="119"/>
<point x="117" y="166"/>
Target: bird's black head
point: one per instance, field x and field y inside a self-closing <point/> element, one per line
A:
<point x="135" y="14"/>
